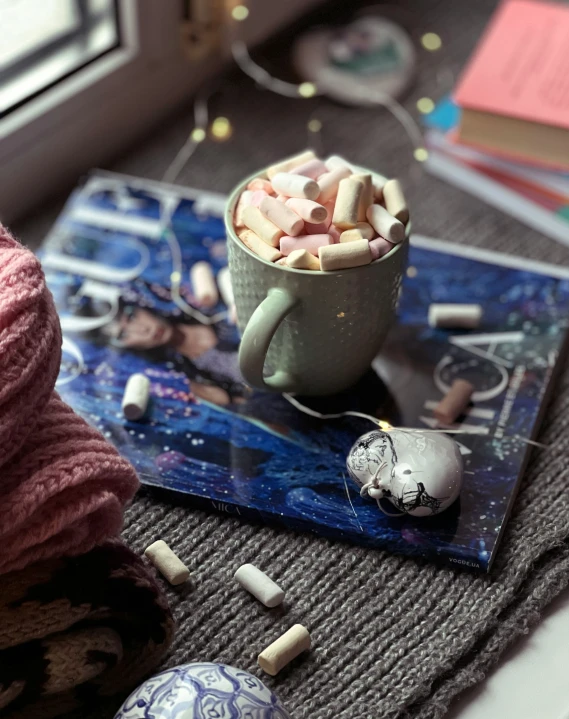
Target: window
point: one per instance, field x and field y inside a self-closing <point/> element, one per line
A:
<point x="80" y="80"/>
<point x="44" y="42"/>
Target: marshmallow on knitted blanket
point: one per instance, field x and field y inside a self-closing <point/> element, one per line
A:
<point x="62" y="486"/>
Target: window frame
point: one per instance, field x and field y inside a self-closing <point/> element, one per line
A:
<point x="92" y="115"/>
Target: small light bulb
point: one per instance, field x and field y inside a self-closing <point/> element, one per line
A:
<point x="240" y="13"/>
<point x="384" y="426"/>
<point x="421" y="154"/>
<point x="315" y="125"/>
<point x="221" y="129"/>
<point x="425" y="105"/>
<point x="431" y="41"/>
<point x="198" y="134"/>
<point x="307" y="89"/>
<point x="175" y="278"/>
<point x="411" y="271"/>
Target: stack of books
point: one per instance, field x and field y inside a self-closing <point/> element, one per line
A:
<point x="504" y="136"/>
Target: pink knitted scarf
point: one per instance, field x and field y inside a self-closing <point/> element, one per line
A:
<point x="62" y="486"/>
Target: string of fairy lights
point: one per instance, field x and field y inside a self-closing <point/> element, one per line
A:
<point x="220" y="129"/>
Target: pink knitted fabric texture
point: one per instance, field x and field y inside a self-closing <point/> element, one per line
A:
<point x="62" y="486"/>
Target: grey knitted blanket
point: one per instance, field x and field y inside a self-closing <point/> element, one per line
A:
<point x="393" y="638"/>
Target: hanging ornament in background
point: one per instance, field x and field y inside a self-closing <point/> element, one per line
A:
<point x="371" y="57"/>
<point x="419" y="472"/>
<point x="205" y="689"/>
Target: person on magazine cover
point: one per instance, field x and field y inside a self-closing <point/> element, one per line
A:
<point x="208" y="356"/>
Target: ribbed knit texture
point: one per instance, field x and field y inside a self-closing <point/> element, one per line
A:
<point x="62" y="486"/>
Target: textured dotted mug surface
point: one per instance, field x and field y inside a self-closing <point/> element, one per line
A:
<point x="339" y="321"/>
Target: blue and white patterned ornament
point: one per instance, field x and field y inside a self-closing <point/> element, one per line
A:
<point x="201" y="691"/>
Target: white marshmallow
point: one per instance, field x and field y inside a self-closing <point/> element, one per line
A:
<point x="303" y="260"/>
<point x="261" y="226"/>
<point x="203" y="284"/>
<point x="225" y="286"/>
<point x="347" y="203"/>
<point x="395" y="202"/>
<point x="295" y="186"/>
<point x="256" y="245"/>
<point x="259" y="585"/>
<point x="136" y="395"/>
<point x="286" y="648"/>
<point x="389" y="227"/>
<point x="283" y="216"/>
<point x="328" y="183"/>
<point x="455" y="315"/>
<point x="290" y="163"/>
<point x="167" y="562"/>
<point x="344" y="255"/>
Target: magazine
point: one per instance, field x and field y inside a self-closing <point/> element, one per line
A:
<point x="109" y="262"/>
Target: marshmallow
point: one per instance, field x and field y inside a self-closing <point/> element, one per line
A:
<point x="347" y="202"/>
<point x="379" y="247"/>
<point x="344" y="255"/>
<point x="256" y="245"/>
<point x="304" y="242"/>
<point x="455" y="401"/>
<point x="308" y="209"/>
<point x="329" y="182"/>
<point x="261" y="226"/>
<point x="302" y="260"/>
<point x="295" y="186"/>
<point x="290" y="163"/>
<point x="260" y="184"/>
<point x="136" y="395"/>
<point x="367" y="195"/>
<point x="312" y="168"/>
<point x="257" y="197"/>
<point x="244" y="201"/>
<point x="446" y="315"/>
<point x="385" y="224"/>
<point x="286" y="648"/>
<point x="225" y="288"/>
<point x="203" y="284"/>
<point x="368" y="233"/>
<point x="320" y="228"/>
<point x="351" y="235"/>
<point x="395" y="202"/>
<point x="378" y="181"/>
<point x="334" y="233"/>
<point x="335" y="161"/>
<point x="259" y="585"/>
<point x="167" y="562"/>
<point x="282" y="216"/>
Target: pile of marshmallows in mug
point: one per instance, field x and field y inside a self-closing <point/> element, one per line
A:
<point x="311" y="214"/>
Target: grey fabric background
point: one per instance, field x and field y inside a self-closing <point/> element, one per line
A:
<point x="392" y="637"/>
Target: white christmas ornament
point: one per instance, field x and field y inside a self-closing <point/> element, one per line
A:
<point x="420" y="473"/>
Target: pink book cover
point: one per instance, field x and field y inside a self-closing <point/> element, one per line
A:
<point x="521" y="66"/>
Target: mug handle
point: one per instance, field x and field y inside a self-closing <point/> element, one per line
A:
<point x="257" y="337"/>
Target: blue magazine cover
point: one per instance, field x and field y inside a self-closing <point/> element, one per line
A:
<point x="113" y="261"/>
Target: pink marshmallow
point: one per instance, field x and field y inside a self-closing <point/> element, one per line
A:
<point x="304" y="242"/>
<point x="320" y="228"/>
<point x="312" y="168"/>
<point x="379" y="247"/>
<point x="334" y="233"/>
<point x="259" y="184"/>
<point x="257" y="197"/>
